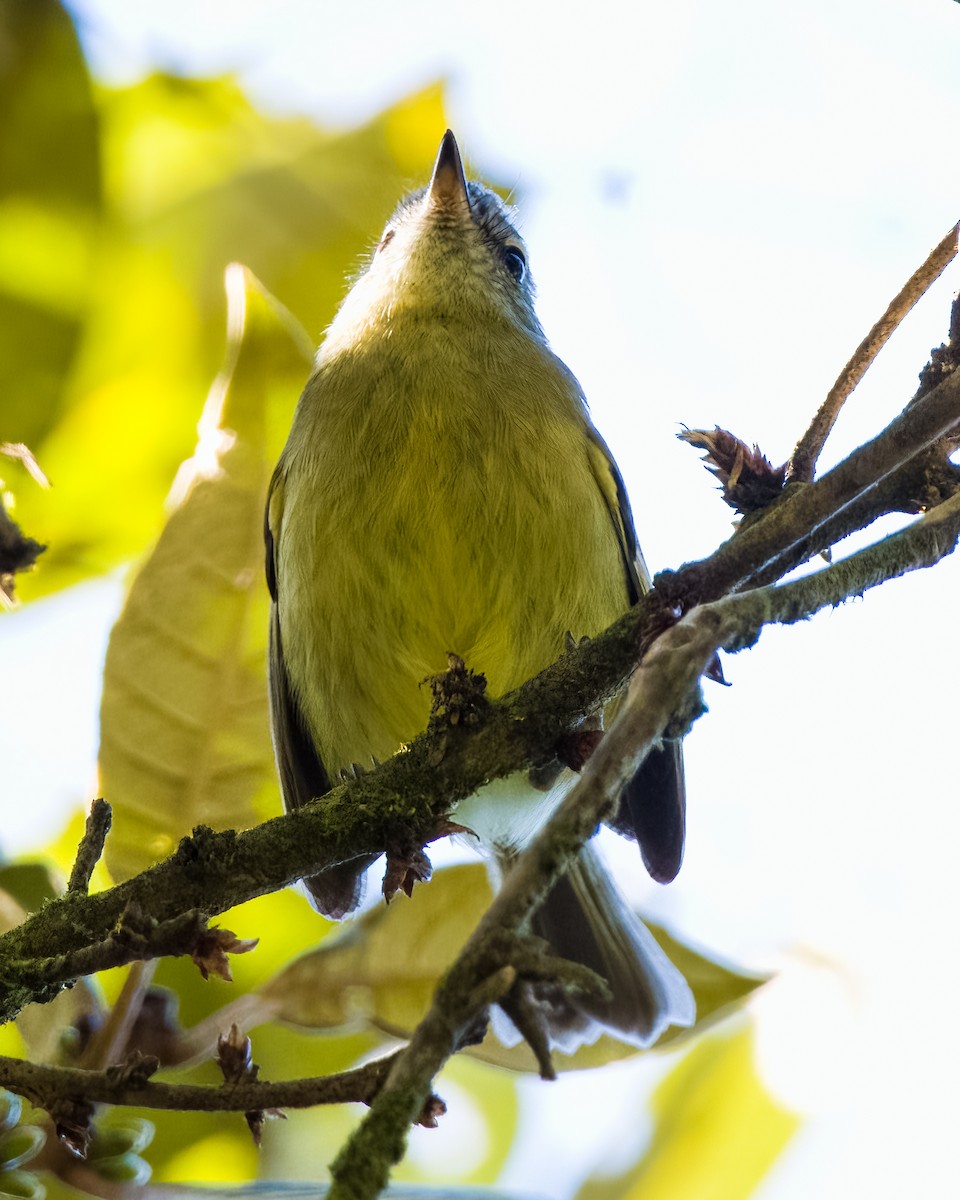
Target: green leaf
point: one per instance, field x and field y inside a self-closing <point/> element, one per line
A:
<point x="195" y="178"/>
<point x="22" y="1184"/>
<point x="718" y="1130"/>
<point x="384" y="969"/>
<point x="184" y="728"/>
<point x="29" y="883"/>
<point x="19" y="1145"/>
<point x="50" y="200"/>
<point x="279" y="1189"/>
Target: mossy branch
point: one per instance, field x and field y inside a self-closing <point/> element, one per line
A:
<point x="665" y="643"/>
<point x="46" y="1086"/>
<point x="404" y="797"/>
<point x="664" y="684"/>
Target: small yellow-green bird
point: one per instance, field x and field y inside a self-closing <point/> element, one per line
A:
<point x="443" y="489"/>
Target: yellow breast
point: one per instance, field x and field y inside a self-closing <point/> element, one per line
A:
<point x="439" y="500"/>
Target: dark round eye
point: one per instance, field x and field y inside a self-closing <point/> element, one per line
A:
<point x="515" y="262"/>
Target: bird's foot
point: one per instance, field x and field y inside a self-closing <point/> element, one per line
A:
<point x="575" y="748"/>
<point x="409" y="865"/>
<point x="405" y="869"/>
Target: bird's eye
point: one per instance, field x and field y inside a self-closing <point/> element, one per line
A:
<point x="515" y="262"/>
<point x="386" y="239"/>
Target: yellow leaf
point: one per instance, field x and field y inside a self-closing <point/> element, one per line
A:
<point x="184" y="730"/>
<point x="49" y="210"/>
<point x="383" y="970"/>
<point x="194" y="177"/>
<point x="717" y="1134"/>
<point x="384" y="966"/>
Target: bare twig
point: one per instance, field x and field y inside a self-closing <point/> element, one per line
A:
<point x="106" y="1045"/>
<point x="803" y="464"/>
<point x="98" y="824"/>
<point x="766" y="545"/>
<point x="920" y="484"/>
<point x="24" y="455"/>
<point x="46" y="1085"/>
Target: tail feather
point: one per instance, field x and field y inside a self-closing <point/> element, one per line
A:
<point x="586" y="920"/>
<point x="653" y="810"/>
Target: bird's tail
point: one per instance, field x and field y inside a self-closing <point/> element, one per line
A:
<point x="586" y="920"/>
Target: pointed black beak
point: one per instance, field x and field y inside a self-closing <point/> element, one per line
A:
<point x="448" y="186"/>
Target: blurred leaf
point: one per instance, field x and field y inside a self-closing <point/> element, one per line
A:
<point x="20" y="1145"/>
<point x="195" y="177"/>
<point x="718" y="1131"/>
<point x="11" y="912"/>
<point x="216" y="1156"/>
<point x="11" y="1041"/>
<point x="277" y="1189"/>
<point x="479" y="1098"/>
<point x="384" y="969"/>
<point x="284" y="923"/>
<point x="23" y="1184"/>
<point x="49" y="206"/>
<point x="184" y="730"/>
<point x="29" y="883"/>
<point x="717" y="987"/>
<point x="214" y="180"/>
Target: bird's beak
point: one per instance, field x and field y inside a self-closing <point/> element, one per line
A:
<point x="448" y="186"/>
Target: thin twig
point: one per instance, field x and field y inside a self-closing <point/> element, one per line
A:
<point x="95" y="833"/>
<point x="24" y="455"/>
<point x="44" y="1085"/>
<point x="806" y="508"/>
<point x="107" y="1044"/>
<point x="920" y="484"/>
<point x="803" y="464"/>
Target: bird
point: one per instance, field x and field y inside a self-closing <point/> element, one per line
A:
<point x="443" y="490"/>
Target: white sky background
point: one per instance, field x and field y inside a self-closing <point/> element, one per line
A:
<point x="719" y="201"/>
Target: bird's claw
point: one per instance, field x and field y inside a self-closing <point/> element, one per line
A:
<point x="404" y="871"/>
<point x="407" y="867"/>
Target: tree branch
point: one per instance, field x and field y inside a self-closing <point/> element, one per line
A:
<point x="46" y="1086"/>
<point x="663" y="686"/>
<point x="777" y="540"/>
<point x="210" y="872"/>
<point x="803" y="464"/>
<point x="91" y="846"/>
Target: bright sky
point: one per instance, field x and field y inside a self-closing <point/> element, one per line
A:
<point x="719" y="201"/>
